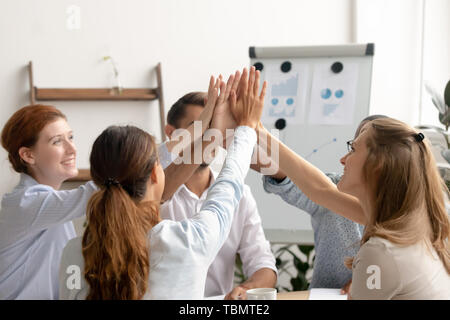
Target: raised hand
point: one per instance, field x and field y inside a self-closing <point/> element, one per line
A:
<point x="223" y="118"/>
<point x="246" y="105"/>
<point x="212" y="98"/>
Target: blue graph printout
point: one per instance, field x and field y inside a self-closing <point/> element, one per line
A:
<point x="333" y="94"/>
<point x="286" y="93"/>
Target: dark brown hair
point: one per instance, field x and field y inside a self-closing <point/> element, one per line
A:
<point x="23" y="128"/>
<point x="115" y="243"/>
<point x="178" y="109"/>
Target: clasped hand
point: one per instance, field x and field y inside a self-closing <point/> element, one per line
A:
<point x="237" y="102"/>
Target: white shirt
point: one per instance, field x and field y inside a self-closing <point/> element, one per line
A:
<point x="246" y="238"/>
<point x="181" y="252"/>
<point x="35" y="225"/>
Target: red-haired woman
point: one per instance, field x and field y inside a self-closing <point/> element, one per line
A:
<point x="35" y="218"/>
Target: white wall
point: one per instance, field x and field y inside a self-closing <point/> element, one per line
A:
<point x="436" y="68"/>
<point x="193" y="39"/>
<point x="396" y="28"/>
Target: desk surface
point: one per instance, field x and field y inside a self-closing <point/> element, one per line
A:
<point x="294" y="295"/>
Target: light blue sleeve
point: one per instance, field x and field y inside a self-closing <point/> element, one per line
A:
<point x="165" y="156"/>
<point x="291" y="194"/>
<point x="40" y="207"/>
<point x="226" y="192"/>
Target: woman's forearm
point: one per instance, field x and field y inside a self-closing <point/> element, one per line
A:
<point x="313" y="182"/>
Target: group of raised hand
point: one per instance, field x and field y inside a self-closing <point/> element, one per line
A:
<point x="237" y="102"/>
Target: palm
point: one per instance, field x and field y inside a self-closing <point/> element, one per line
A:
<point x="223" y="118"/>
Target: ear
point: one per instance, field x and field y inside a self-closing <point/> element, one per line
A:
<point x="154" y="175"/>
<point x="168" y="129"/>
<point x="27" y="155"/>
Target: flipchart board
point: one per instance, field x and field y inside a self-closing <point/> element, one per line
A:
<point x="316" y="98"/>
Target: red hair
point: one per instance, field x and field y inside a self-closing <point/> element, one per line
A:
<point x="23" y="128"/>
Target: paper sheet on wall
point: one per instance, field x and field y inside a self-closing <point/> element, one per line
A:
<point x="286" y="93"/>
<point x="333" y="95"/>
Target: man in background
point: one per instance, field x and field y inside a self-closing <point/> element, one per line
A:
<point x="246" y="237"/>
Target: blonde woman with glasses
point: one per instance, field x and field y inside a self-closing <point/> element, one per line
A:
<point x="392" y="186"/>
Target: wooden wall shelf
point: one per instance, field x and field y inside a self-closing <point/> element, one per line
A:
<point x="95" y="94"/>
<point x="83" y="176"/>
<point x="100" y="94"/>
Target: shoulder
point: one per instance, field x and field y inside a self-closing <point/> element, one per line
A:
<point x="74" y="243"/>
<point x="22" y="194"/>
<point x="27" y="185"/>
<point x="375" y="272"/>
<point x="375" y="248"/>
<point x="72" y="248"/>
<point x="377" y="254"/>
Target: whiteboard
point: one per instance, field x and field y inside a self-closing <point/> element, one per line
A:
<point x="310" y="132"/>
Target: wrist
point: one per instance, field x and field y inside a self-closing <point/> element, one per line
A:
<point x="246" y="286"/>
<point x="247" y="124"/>
<point x="278" y="178"/>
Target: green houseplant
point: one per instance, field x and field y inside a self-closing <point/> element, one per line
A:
<point x="442" y="104"/>
<point x="294" y="265"/>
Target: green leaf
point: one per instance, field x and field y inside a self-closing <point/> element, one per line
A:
<point x="280" y="264"/>
<point x="306" y="249"/>
<point x="300" y="283"/>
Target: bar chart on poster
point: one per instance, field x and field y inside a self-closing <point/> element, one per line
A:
<point x="316" y="98"/>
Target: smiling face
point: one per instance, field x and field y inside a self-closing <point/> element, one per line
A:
<point x="53" y="158"/>
<point x="353" y="182"/>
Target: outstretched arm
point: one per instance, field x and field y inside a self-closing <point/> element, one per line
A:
<point x="313" y="182"/>
<point x="226" y="192"/>
<point x="180" y="173"/>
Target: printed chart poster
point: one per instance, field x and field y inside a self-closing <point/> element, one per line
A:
<point x="333" y="94"/>
<point x="286" y="93"/>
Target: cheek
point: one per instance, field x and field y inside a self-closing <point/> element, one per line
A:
<point x="49" y="155"/>
<point x="357" y="170"/>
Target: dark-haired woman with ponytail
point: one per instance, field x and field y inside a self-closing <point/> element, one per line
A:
<point x="127" y="252"/>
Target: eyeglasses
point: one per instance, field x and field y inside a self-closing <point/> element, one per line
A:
<point x="350" y="146"/>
